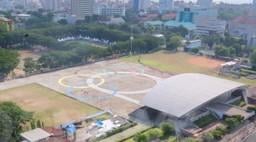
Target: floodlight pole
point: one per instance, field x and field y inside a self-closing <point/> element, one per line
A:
<point x="131" y="40"/>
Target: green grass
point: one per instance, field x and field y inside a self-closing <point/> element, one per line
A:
<point x="126" y="134"/>
<point x="205" y="121"/>
<point x="176" y="63"/>
<point x="51" y="107"/>
<point x="167" y="62"/>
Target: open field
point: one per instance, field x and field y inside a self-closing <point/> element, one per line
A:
<point x="176" y="63"/>
<point x="114" y="85"/>
<point x="49" y="106"/>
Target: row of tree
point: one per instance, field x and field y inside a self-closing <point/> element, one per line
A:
<point x="8" y="61"/>
<point x="81" y="54"/>
<point x="48" y="36"/>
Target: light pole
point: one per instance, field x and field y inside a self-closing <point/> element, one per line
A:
<point x="131" y="39"/>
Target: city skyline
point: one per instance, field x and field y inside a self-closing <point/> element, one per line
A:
<point x="226" y="1"/>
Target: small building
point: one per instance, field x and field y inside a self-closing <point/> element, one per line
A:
<point x="155" y="24"/>
<point x="175" y="24"/>
<point x="115" y="21"/>
<point x="7" y="24"/>
<point x="35" y="135"/>
<point x="192" y="44"/>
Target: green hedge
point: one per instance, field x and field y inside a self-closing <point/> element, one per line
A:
<point x="205" y="121"/>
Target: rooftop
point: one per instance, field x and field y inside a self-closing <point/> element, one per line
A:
<point x="187" y="25"/>
<point x="35" y="135"/>
<point x="180" y="94"/>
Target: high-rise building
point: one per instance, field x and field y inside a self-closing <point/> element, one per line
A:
<point x="205" y="3"/>
<point x="53" y="5"/>
<point x="140" y="5"/>
<point x="185" y="16"/>
<point x="254" y="6"/>
<point x="165" y="5"/>
<point x="82" y="8"/>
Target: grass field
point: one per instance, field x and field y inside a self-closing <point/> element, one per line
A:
<point x="49" y="106"/>
<point x="176" y="63"/>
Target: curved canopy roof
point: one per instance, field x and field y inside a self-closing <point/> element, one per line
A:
<point x="180" y="94"/>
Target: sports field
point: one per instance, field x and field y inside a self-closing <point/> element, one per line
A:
<point x="49" y="106"/>
<point x="181" y="62"/>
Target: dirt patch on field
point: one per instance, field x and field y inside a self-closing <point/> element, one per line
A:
<point x="205" y="62"/>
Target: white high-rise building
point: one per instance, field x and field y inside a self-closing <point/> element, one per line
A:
<point x="82" y="8"/>
<point x="205" y="3"/>
<point x="140" y="5"/>
<point x="254" y="5"/>
<point x="165" y="5"/>
<point x="53" y="5"/>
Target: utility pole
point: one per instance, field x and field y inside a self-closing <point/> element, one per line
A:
<point x="131" y="40"/>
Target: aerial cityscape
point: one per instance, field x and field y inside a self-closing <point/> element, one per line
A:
<point x="127" y="70"/>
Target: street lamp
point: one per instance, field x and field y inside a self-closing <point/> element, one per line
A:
<point x="131" y="39"/>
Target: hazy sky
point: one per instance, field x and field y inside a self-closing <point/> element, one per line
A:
<point x="227" y="1"/>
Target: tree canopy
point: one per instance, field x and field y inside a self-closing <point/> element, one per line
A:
<point x="174" y="42"/>
<point x="253" y="59"/>
<point x="8" y="61"/>
<point x="12" y="119"/>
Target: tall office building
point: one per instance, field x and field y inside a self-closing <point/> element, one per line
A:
<point x="53" y="5"/>
<point x="254" y="5"/>
<point x="140" y="5"/>
<point x="165" y="5"/>
<point x="186" y="16"/>
<point x="82" y="8"/>
<point x="205" y="3"/>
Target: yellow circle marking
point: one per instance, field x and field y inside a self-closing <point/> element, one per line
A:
<point x="60" y="81"/>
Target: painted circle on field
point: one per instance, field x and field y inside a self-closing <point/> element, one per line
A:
<point x="90" y="80"/>
<point x="109" y="91"/>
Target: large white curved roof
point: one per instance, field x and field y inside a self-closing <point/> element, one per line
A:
<point x="180" y="94"/>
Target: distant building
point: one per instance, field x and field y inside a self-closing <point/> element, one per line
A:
<point x="82" y="8"/>
<point x="115" y="21"/>
<point x="253" y="9"/>
<point x="207" y="22"/>
<point x="184" y="19"/>
<point x="174" y="24"/>
<point x="140" y="5"/>
<point x="109" y="10"/>
<point x="165" y="5"/>
<point x="245" y="28"/>
<point x="53" y="5"/>
<point x="204" y="3"/>
<point x="185" y="15"/>
<point x="193" y="44"/>
<point x="210" y="26"/>
<point x="6" y="24"/>
<point x="6" y="5"/>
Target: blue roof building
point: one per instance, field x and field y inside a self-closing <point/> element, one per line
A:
<point x="174" y="24"/>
